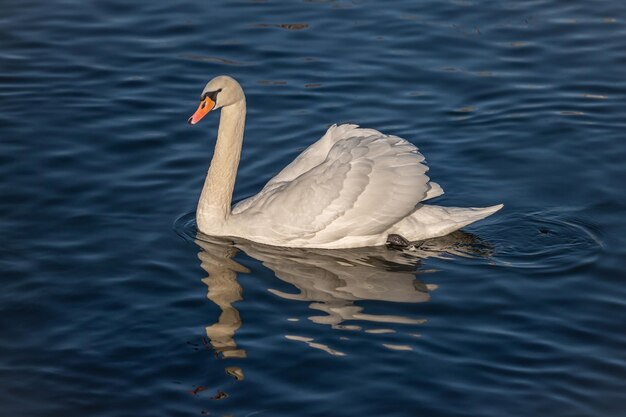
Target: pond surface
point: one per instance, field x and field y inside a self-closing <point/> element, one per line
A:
<point x="112" y="306"/>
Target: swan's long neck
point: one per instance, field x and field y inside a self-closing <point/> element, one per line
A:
<point x="215" y="201"/>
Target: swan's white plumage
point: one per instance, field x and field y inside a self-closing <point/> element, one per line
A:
<point x="351" y="188"/>
<point x="353" y="182"/>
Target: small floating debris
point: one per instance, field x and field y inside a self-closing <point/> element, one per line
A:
<point x="293" y="319"/>
<point x="198" y="389"/>
<point x="571" y="113"/>
<point x="466" y="109"/>
<point x="294" y="26"/>
<point x="220" y="395"/>
<point x="287" y="26"/>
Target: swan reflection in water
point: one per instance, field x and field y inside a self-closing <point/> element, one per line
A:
<point x="332" y="281"/>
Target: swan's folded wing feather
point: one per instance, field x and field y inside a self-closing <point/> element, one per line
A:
<point x="318" y="151"/>
<point x="308" y="159"/>
<point x="311" y="157"/>
<point x="364" y="185"/>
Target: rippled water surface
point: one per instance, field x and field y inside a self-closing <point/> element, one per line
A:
<point x="111" y="305"/>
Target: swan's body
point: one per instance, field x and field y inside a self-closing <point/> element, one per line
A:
<point x="352" y="188"/>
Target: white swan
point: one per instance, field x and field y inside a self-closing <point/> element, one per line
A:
<point x="352" y="188"/>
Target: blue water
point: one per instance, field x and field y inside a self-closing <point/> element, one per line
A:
<point x="111" y="305"/>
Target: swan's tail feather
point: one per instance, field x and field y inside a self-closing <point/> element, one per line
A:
<point x="458" y="217"/>
<point x="433" y="221"/>
<point x="473" y="214"/>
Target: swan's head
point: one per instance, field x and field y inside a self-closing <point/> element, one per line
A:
<point x="220" y="92"/>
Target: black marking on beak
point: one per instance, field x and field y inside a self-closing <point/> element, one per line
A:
<point x="211" y="94"/>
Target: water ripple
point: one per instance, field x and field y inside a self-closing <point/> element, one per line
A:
<point x="542" y="240"/>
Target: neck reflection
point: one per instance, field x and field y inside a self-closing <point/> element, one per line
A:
<point x="223" y="290"/>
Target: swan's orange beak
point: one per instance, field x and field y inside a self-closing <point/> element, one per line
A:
<point x="206" y="105"/>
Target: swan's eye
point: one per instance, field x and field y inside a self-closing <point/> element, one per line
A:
<point x="211" y="94"/>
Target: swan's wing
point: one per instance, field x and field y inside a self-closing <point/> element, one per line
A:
<point x="313" y="156"/>
<point x="308" y="159"/>
<point x="366" y="182"/>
